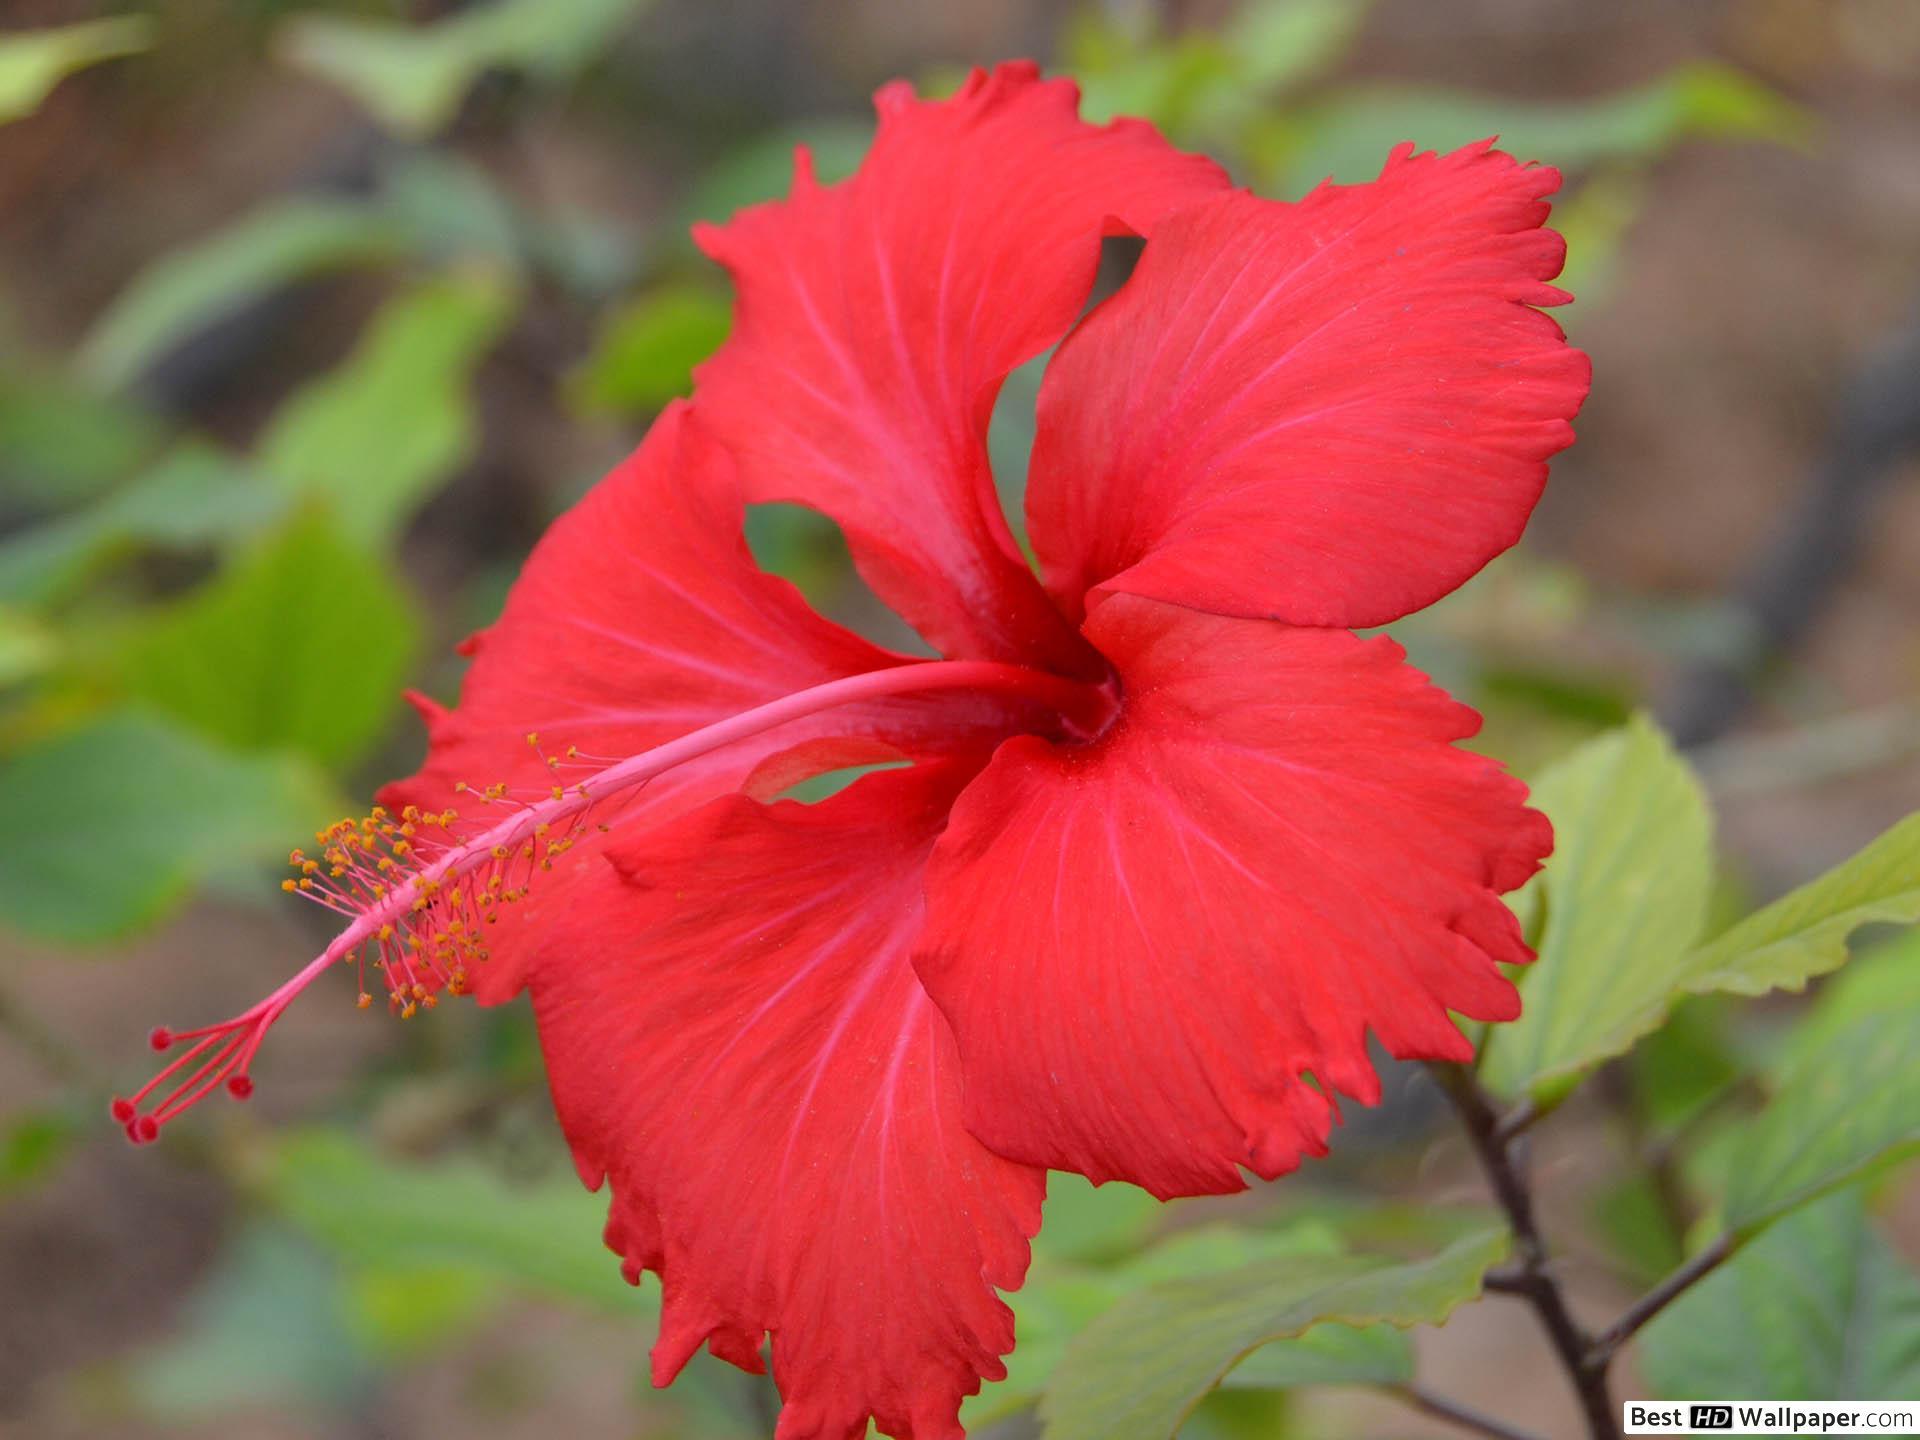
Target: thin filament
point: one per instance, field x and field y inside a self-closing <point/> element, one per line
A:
<point x="419" y="904"/>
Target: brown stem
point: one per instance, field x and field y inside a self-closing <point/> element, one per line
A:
<point x="1451" y="1410"/>
<point x="1534" y="1279"/>
<point x="1608" y="1344"/>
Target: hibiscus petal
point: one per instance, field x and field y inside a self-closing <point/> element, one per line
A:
<point x="1329" y="413"/>
<point x="876" y="320"/>
<point x="640" y="617"/>
<point x="737" y="1041"/>
<point x="1145" y="943"/>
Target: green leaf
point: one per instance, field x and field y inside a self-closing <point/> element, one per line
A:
<point x="267" y="1327"/>
<point x="1328" y="1355"/>
<point x="195" y="495"/>
<point x="183" y="293"/>
<point x="1837" y="1111"/>
<point x="1088" y="1222"/>
<point x="402" y="1310"/>
<point x="1349" y="137"/>
<point x="1884" y="980"/>
<point x="1139" y="1370"/>
<point x="32" y="62"/>
<point x="1818" y="1308"/>
<point x="1280" y="43"/>
<point x="414" y="78"/>
<point x="379" y="434"/>
<point x="106" y="827"/>
<point x="62" y="444"/>
<point x="1623" y="897"/>
<point x="27" y="648"/>
<point x="646" y="352"/>
<point x="33" y="1144"/>
<point x="1805" y="933"/>
<point x="763" y="168"/>
<point x="542" y="1237"/>
<point x="1061" y="1298"/>
<point x="302" y="644"/>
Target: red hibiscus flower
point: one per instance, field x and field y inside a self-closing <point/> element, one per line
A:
<point x="1171" y="839"/>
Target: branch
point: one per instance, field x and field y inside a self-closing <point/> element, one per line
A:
<point x="1662" y="1295"/>
<point x="1534" y="1278"/>
<point x="1445" y="1409"/>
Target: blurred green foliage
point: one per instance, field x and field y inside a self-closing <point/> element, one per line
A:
<point x="202" y="641"/>
<point x="32" y="62"/>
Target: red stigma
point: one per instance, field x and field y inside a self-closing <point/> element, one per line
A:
<point x="160" y="1037"/>
<point x="239" y="1086"/>
<point x="122" y="1111"/>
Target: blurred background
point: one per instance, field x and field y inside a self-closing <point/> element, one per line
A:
<point x="313" y="314"/>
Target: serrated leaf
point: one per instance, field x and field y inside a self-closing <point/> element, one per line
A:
<point x="303" y="644"/>
<point x="1348" y="137"/>
<point x="1818" y="1308"/>
<point x="1837" y="1110"/>
<point x="33" y="62"/>
<point x="188" y="290"/>
<point x="646" y="352"/>
<point x="1884" y="980"/>
<point x="105" y="828"/>
<point x="543" y="1236"/>
<point x="412" y="78"/>
<point x="1805" y="933"/>
<point x="379" y="434"/>
<point x="1139" y="1370"/>
<point x="1061" y="1297"/>
<point x="1623" y="895"/>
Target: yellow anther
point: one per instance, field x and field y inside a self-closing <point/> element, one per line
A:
<point x="409" y="1010"/>
<point x="363" y="1000"/>
<point x="306" y="884"/>
<point x="533" y="737"/>
<point x="542" y="828"/>
<point x="459" y="787"/>
<point x="309" y="867"/>
<point x="573" y="752"/>
<point x="289" y="886"/>
<point x="559" y="792"/>
<point x="430" y="1001"/>
<point x="386" y="932"/>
